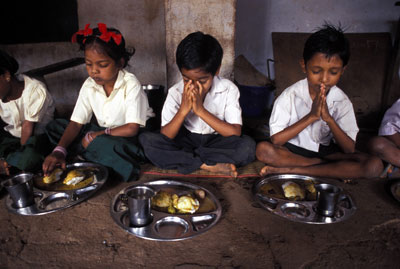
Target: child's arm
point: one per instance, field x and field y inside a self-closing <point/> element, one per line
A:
<point x="342" y="139"/>
<point x="56" y="157"/>
<point x="395" y="138"/>
<point x="26" y="131"/>
<point x="126" y="130"/>
<point x="288" y="133"/>
<point x="222" y="127"/>
<point x="172" y="128"/>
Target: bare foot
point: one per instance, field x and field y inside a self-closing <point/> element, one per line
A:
<point x="266" y="170"/>
<point x="221" y="168"/>
<point x="4" y="168"/>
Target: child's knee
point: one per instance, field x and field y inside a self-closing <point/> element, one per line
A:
<point x="373" y="167"/>
<point x="376" y="144"/>
<point x="264" y="150"/>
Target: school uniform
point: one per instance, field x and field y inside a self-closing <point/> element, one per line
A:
<point x="295" y="102"/>
<point x="127" y="103"/>
<point x="390" y="124"/>
<point x="35" y="105"/>
<point x="197" y="142"/>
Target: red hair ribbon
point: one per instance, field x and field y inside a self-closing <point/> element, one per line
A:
<point x="85" y="32"/>
<point x="107" y="35"/>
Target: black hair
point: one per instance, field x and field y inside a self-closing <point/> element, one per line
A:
<point x="198" y="50"/>
<point x="329" y="40"/>
<point x="8" y="63"/>
<point x="110" y="48"/>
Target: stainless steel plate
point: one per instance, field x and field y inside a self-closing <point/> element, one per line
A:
<point x="52" y="198"/>
<point x="269" y="194"/>
<point x="166" y="226"/>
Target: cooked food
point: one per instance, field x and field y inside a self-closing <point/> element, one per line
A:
<point x="293" y="191"/>
<point x="201" y="194"/>
<point x="162" y="199"/>
<point x="74" y="177"/>
<point x="185" y="204"/>
<point x="309" y="184"/>
<point x="53" y="177"/>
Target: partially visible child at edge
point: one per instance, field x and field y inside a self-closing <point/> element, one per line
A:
<point x="116" y="99"/>
<point x="387" y="144"/>
<point x="313" y="126"/>
<point x="25" y="107"/>
<point x="201" y="117"/>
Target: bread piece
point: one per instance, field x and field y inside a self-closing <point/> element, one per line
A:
<point x="293" y="191"/>
<point x="53" y="177"/>
<point x="74" y="177"/>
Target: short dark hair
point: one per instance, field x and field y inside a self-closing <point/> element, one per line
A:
<point x="8" y="63"/>
<point x="110" y="48"/>
<point x="329" y="40"/>
<point x="198" y="50"/>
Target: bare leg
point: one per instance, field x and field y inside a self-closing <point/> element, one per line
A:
<point x="280" y="156"/>
<point x="221" y="168"/>
<point x="355" y="165"/>
<point x="385" y="150"/>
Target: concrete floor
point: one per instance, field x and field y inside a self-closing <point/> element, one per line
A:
<point x="247" y="236"/>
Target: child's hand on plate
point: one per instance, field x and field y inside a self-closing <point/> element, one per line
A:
<point x="56" y="158"/>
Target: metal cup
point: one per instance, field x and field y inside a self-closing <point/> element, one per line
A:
<point x="327" y="199"/>
<point x="139" y="203"/>
<point x="20" y="188"/>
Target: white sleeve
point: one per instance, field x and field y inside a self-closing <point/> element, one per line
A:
<point x="83" y="111"/>
<point x="280" y="116"/>
<point x="233" y="111"/>
<point x="391" y="120"/>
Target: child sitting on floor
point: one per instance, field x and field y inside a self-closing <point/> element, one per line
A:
<point x="25" y="107"/>
<point x="387" y="144"/>
<point x="201" y="117"/>
<point x="116" y="99"/>
<point x="312" y="113"/>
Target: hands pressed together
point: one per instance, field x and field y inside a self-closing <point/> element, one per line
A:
<point x="319" y="107"/>
<point x="193" y="97"/>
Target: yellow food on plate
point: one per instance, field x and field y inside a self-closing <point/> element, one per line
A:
<point x="54" y="176"/>
<point x="162" y="199"/>
<point x="293" y="191"/>
<point x="185" y="204"/>
<point x="74" y="177"/>
<point x="309" y="184"/>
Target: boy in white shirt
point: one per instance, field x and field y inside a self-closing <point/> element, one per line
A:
<point x="201" y="117"/>
<point x="25" y="107"/>
<point x="312" y="113"/>
<point x="387" y="144"/>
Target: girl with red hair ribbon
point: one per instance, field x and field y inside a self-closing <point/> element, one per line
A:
<point x="116" y="99"/>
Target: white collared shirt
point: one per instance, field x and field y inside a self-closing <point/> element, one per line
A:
<point x="35" y="105"/>
<point x="391" y="120"/>
<point x="127" y="103"/>
<point x="295" y="103"/>
<point x="222" y="101"/>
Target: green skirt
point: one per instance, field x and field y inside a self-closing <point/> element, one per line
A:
<point x="28" y="157"/>
<point x="122" y="155"/>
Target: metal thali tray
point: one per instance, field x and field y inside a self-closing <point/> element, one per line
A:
<point x="269" y="194"/>
<point x="166" y="226"/>
<point x="57" y="196"/>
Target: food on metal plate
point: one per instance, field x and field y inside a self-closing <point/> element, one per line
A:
<point x="174" y="203"/>
<point x="293" y="191"/>
<point x="311" y="191"/>
<point x="162" y="199"/>
<point x="53" y="177"/>
<point x="201" y="194"/>
<point x="185" y="204"/>
<point x="74" y="177"/>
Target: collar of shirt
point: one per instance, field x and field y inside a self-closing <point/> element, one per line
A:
<point x="119" y="83"/>
<point x="304" y="93"/>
